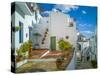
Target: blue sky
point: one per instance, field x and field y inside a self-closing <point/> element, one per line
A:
<point x="86" y="16"/>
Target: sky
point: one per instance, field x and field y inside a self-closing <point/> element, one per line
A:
<point x="86" y="16"/>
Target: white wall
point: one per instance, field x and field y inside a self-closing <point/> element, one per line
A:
<point x="58" y="24"/>
<point x="93" y="48"/>
<point x="42" y="26"/>
<point x="17" y="19"/>
<point x="60" y="27"/>
<point x="27" y="23"/>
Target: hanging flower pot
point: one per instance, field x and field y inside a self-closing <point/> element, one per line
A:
<point x="14" y="29"/>
<point x="45" y="35"/>
<point x="47" y="30"/>
<point x="42" y="42"/>
<point x="17" y="28"/>
<point x="43" y="39"/>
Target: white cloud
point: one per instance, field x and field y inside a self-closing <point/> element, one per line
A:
<point x="85" y="25"/>
<point x="46" y="12"/>
<point x="66" y="8"/>
<point x="54" y="9"/>
<point x="87" y="32"/>
<point x="84" y="12"/>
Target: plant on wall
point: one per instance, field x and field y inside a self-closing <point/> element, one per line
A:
<point x="64" y="45"/>
<point x="37" y="34"/>
<point x="16" y="28"/>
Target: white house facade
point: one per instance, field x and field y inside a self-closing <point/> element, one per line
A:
<point x="93" y="47"/>
<point x="59" y="26"/>
<point x="44" y="32"/>
<point x="22" y="18"/>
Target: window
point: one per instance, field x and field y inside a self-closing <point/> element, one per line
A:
<point x="20" y="32"/>
<point x="67" y="37"/>
<point x="71" y="24"/>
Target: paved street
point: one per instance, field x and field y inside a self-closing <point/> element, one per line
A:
<point x="83" y="65"/>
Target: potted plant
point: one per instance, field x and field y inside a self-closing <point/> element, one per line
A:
<point x="19" y="56"/>
<point x="22" y="51"/>
<point x="59" y="63"/>
<point x="64" y="45"/>
<point x="16" y="28"/>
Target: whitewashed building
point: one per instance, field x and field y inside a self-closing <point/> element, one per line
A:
<point x="23" y="16"/>
<point x="93" y="47"/>
<point x="45" y="32"/>
<point x="59" y="26"/>
<point x="83" y="47"/>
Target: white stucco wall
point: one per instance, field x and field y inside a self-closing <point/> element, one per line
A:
<point x="93" y="48"/>
<point x="42" y="26"/>
<point x="17" y="19"/>
<point x="60" y="27"/>
<point x="27" y="21"/>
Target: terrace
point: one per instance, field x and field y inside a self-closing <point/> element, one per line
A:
<point x="44" y="60"/>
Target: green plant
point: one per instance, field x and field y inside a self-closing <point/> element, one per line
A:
<point x="37" y="34"/>
<point x="19" y="56"/>
<point x="64" y="45"/>
<point x="19" y="53"/>
<point x="24" y="48"/>
<point x="17" y="28"/>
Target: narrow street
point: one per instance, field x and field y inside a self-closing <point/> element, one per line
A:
<point x="84" y="65"/>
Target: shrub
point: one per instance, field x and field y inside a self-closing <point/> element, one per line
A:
<point x="64" y="45"/>
<point x="24" y="48"/>
<point x="19" y="53"/>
